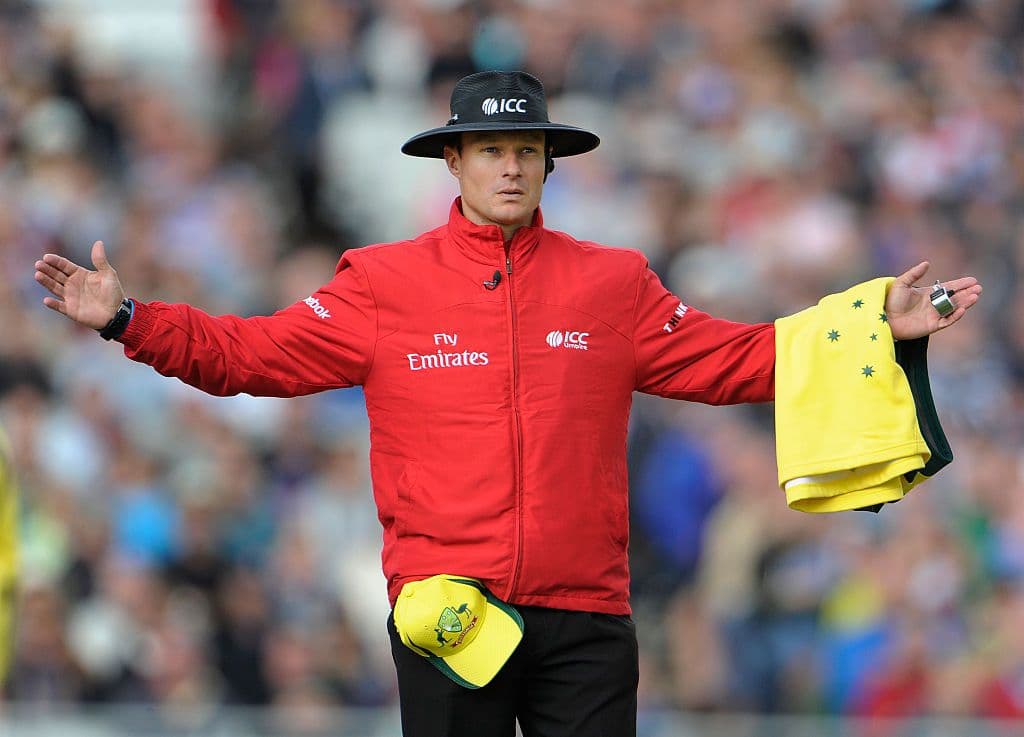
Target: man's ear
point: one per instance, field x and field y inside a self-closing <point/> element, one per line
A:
<point x="454" y="160"/>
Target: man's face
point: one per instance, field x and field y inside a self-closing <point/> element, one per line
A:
<point x="501" y="176"/>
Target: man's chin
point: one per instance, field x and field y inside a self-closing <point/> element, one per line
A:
<point x="509" y="215"/>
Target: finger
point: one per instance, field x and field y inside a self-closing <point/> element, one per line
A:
<point x="911" y="275"/>
<point x="56" y="274"/>
<point x="50" y="283"/>
<point x="99" y="257"/>
<point x="968" y="298"/>
<point x="963" y="303"/>
<point x="961" y="284"/>
<point x="56" y="305"/>
<point x="61" y="264"/>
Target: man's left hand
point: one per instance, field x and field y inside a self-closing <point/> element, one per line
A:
<point x="910" y="311"/>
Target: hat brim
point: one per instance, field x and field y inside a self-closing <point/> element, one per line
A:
<point x="566" y="140"/>
<point x="480" y="661"/>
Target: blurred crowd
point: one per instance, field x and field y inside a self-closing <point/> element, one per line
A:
<point x="181" y="550"/>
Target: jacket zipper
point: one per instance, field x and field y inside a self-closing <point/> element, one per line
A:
<point x="518" y="553"/>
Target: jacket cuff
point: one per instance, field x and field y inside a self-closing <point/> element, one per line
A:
<point x="139" y="327"/>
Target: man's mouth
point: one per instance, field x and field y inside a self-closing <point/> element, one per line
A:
<point x="511" y="191"/>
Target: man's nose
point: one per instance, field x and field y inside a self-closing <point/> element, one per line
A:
<point x="511" y="166"/>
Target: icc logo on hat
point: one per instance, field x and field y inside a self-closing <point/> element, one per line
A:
<point x="459" y="626"/>
<point x="492" y="106"/>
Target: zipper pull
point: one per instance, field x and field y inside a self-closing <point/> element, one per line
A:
<point x="508" y="264"/>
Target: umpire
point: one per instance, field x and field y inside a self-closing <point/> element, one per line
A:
<point x="498" y="360"/>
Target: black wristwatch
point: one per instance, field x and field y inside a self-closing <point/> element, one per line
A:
<point x="119" y="321"/>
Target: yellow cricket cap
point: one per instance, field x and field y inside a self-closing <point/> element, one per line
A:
<point x="459" y="626"/>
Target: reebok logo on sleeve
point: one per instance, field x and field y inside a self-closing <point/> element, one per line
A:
<point x="322" y="312"/>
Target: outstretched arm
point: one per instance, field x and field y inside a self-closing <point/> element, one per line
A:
<point x="684" y="353"/>
<point x="322" y="342"/>
<point x="90" y="298"/>
<point x="910" y="312"/>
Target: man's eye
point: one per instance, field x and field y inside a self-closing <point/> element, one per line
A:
<point x="490" y="150"/>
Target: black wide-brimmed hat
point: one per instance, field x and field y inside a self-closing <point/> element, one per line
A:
<point x="501" y="101"/>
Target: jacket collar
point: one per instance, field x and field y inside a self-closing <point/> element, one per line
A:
<point x="486" y="243"/>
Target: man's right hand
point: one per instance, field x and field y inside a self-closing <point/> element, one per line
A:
<point x="90" y="298"/>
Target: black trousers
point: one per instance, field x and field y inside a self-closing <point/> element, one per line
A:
<point x="573" y="675"/>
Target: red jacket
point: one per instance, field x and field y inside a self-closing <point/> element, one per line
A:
<point x="498" y="385"/>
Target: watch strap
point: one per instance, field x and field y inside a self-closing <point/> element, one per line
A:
<point x="119" y="321"/>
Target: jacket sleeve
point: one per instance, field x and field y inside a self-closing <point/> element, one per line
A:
<point x="684" y="353"/>
<point x="322" y="342"/>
